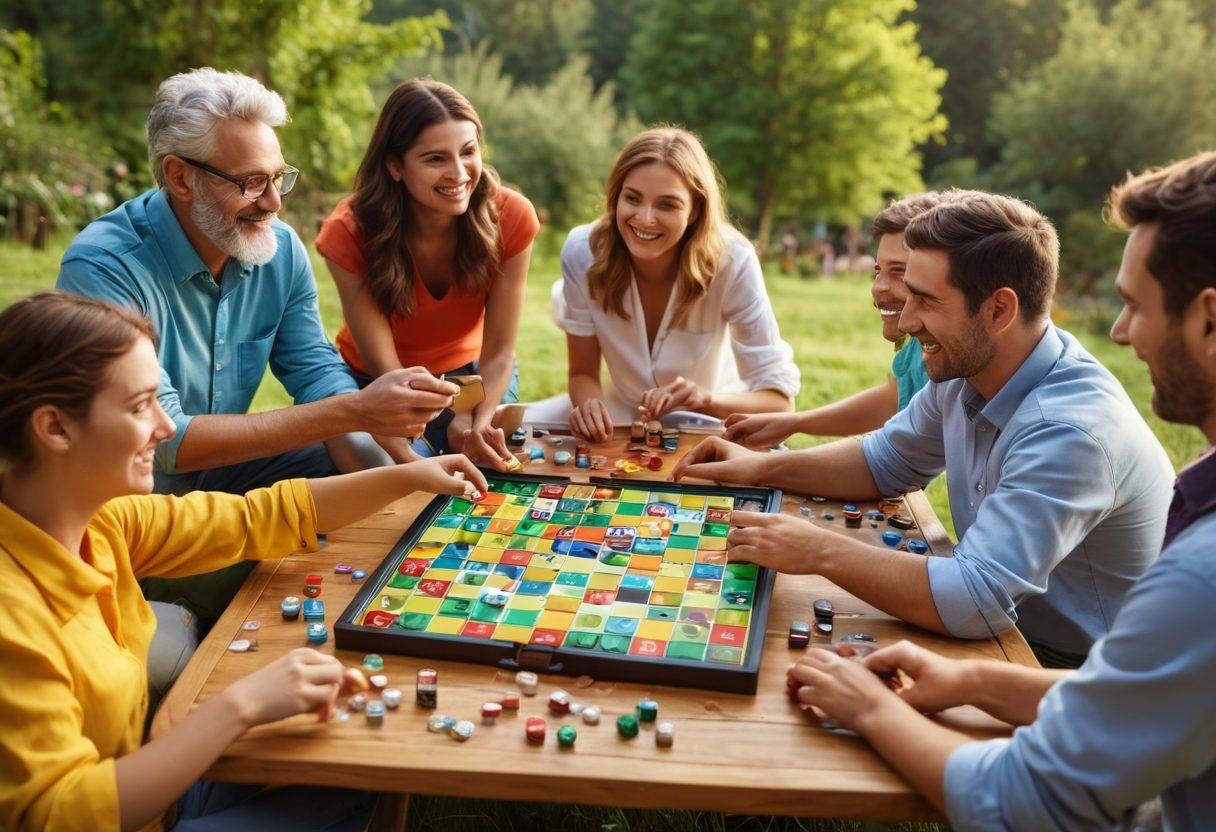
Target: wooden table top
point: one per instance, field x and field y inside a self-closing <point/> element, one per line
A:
<point x="735" y="753"/>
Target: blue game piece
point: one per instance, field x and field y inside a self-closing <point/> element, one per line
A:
<point x="708" y="571"/>
<point x="892" y="538"/>
<point x="582" y="461"/>
<point x="536" y="453"/>
<point x="510" y="571"/>
<point x="494" y="597"/>
<point x="358" y="575"/>
<point x="874" y="514"/>
<point x="314" y="610"/>
<point x="561" y="458"/>
<point x="918" y="547"/>
<point x="290" y="608"/>
<point x="317" y="634"/>
<point x="849" y="507"/>
<point x="534" y="587"/>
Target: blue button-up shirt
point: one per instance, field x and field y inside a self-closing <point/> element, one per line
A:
<point x="1138" y="719"/>
<point x="1058" y="490"/>
<point x="214" y="341"/>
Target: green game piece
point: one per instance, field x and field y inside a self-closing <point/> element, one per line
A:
<point x="686" y="650"/>
<point x="373" y="662"/>
<point x="566" y="735"/>
<point x="687" y="631"/>
<point x="399" y="581"/>
<point x="413" y="620"/>
<point x="583" y="641"/>
<point x="648" y="710"/>
<point x="627" y="726"/>
<point x="614" y="559"/>
<point x="631" y="509"/>
<point x="485" y="612"/>
<point x="715" y="530"/>
<point x="521" y="618"/>
<point x="598" y="521"/>
<point x="742" y="571"/>
<point x="679" y="541"/>
<point x="614" y="644"/>
<point x="456" y="607"/>
<point x="724" y="654"/>
<point x="573" y="578"/>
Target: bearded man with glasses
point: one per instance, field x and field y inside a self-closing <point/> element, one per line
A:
<point x="230" y="291"/>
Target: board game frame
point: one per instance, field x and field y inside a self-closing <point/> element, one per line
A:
<point x="349" y="634"/>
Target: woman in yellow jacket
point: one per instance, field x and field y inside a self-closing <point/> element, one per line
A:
<point x="79" y="423"/>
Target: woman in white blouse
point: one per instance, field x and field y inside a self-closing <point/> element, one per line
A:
<point x="657" y="286"/>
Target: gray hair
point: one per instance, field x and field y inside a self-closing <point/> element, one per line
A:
<point x="188" y="105"/>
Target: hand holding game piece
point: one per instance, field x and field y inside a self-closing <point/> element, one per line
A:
<point x="938" y="682"/>
<point x="760" y="430"/>
<point x="720" y="461"/>
<point x="680" y="394"/>
<point x="844" y="689"/>
<point x="479" y="441"/>
<point x="299" y="682"/>
<point x="437" y="475"/>
<point x="592" y="420"/>
<point x="777" y="541"/>
<point x="396" y="403"/>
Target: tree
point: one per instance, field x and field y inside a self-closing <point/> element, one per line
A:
<point x="810" y="106"/>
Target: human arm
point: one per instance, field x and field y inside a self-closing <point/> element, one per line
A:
<point x="368" y="326"/>
<point x="589" y="414"/>
<point x="837" y="469"/>
<point x="859" y="413"/>
<point x="684" y="394"/>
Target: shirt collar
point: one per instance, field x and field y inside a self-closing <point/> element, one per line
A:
<point x="1028" y="376"/>
<point x="64" y="580"/>
<point x="184" y="262"/>
<point x="1197" y="484"/>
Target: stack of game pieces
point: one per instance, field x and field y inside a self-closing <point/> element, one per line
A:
<point x="427" y="688"/>
<point x="824" y="614"/>
<point x="852" y="516"/>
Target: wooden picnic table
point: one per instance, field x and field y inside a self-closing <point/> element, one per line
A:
<point x="733" y="753"/>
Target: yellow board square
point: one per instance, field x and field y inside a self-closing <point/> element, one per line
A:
<point x="635" y="495"/>
<point x="693" y="501"/>
<point x="540" y="573"/>
<point x="627" y="520"/>
<point x="665" y="599"/>
<point x="562" y="603"/>
<point x="526" y="602"/>
<point x="544" y="504"/>
<point x="575" y="592"/>
<point x="721" y="501"/>
<point x="700" y="599"/>
<point x="544" y="547"/>
<point x="580" y="565"/>
<point x="463" y="591"/>
<point x="483" y="554"/>
<point x="436" y="535"/>
<point x="603" y="580"/>
<point x="713" y="543"/>
<point x="669" y="584"/>
<point x="440" y="575"/>
<point x="552" y="619"/>
<point x="510" y="512"/>
<point x="422" y="603"/>
<point x="669" y="569"/>
<point x="426" y="551"/>
<point x="679" y="556"/>
<point x="513" y="633"/>
<point x="733" y="618"/>
<point x="627" y="610"/>
<point x="461" y="536"/>
<point x="655" y="629"/>
<point x="579" y="492"/>
<point x="672" y="497"/>
<point x="496" y="581"/>
<point x="446" y="625"/>
<point x="646" y="563"/>
<point x="495" y="541"/>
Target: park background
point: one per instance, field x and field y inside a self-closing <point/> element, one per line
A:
<point x="816" y="111"/>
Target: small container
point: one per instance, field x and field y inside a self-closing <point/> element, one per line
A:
<point x="426" y="696"/>
<point x="637" y="433"/>
<point x="375" y="714"/>
<point x="654" y="434"/>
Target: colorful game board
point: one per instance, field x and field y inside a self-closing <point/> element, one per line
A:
<point x="617" y="580"/>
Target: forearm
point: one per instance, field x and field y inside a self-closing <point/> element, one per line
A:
<point x="583" y="387"/>
<point x="837" y="469"/>
<point x="722" y="405"/>
<point x="895" y="582"/>
<point x="153" y="777"/>
<point x="356" y="452"/>
<point x="215" y="440"/>
<point x="860" y="413"/>
<point x="915" y="746"/>
<point x="495" y="374"/>
<point x="1009" y="692"/>
<point x="344" y="499"/>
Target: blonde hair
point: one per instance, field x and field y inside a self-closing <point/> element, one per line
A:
<point x="702" y="247"/>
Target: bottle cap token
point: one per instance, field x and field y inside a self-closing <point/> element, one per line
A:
<point x="241" y="645"/>
<point x="373" y="661"/>
<point x="378" y="681"/>
<point x="566" y="735"/>
<point x="317" y="634"/>
<point x="534" y="729"/>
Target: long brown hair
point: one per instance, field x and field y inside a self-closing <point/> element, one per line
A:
<point x="55" y="349"/>
<point x="381" y="205"/>
<point x="701" y="250"/>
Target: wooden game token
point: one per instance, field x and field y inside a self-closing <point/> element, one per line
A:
<point x="357" y="702"/>
<point x="509" y="701"/>
<point x="343" y="569"/>
<point x="357" y="575"/>
<point x="353" y="680"/>
<point x="591" y="715"/>
<point x="800" y="634"/>
<point x="438" y="723"/>
<point x="527" y="681"/>
<point x="251" y="626"/>
<point x="462" y="730"/>
<point x="391" y="697"/>
<point x="566" y="735"/>
<point x="534" y="730"/>
<point x="375" y="714"/>
<point x="373" y="662"/>
<point x="242" y="645"/>
<point x="559" y="702"/>
<point x="312" y="586"/>
<point x="378" y="681"/>
<point x="627" y="725"/>
<point x="490" y="711"/>
<point x="290" y="608"/>
<point x="647" y="710"/>
<point x="317" y="634"/>
<point x="664" y="734"/>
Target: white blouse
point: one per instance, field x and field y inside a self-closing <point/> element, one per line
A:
<point x="736" y="301"/>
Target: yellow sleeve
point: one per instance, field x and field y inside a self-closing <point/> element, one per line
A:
<point x="51" y="775"/>
<point x="172" y="537"/>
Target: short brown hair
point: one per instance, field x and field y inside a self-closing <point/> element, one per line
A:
<point x="992" y="241"/>
<point x="895" y="217"/>
<point x="55" y="349"/>
<point x="1181" y="200"/>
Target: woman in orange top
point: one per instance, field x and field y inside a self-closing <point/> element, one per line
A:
<point x="430" y="255"/>
<point x="79" y="424"/>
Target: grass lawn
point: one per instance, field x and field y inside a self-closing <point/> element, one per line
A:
<point x="835" y="335"/>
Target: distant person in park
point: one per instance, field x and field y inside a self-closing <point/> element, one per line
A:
<point x="430" y="256"/>
<point x="1058" y="488"/>
<point x="229" y="290"/>
<point x="869" y="409"/>
<point x="80" y="422"/>
<point x="1137" y="719"/>
<point x="669" y="295"/>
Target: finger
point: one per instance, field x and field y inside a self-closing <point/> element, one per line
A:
<point x="735" y="418"/>
<point x="902" y="655"/>
<point x="737" y="431"/>
<point x="426" y="400"/>
<point x="647" y="397"/>
<point x="576" y="422"/>
<point x="495" y="439"/>
<point x="606" y="418"/>
<point x="471" y="474"/>
<point x="307" y="655"/>
<point x="753" y="518"/>
<point x="662" y="405"/>
<point x="427" y="382"/>
<point x="749" y="554"/>
<point x="598" y="423"/>
<point x="321" y="674"/>
<point x="714" y="471"/>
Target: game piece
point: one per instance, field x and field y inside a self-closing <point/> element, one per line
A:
<point x="518" y="437"/>
<point x="591" y="715"/>
<point x="654" y="434"/>
<point x="823" y="609"/>
<point x="637" y="433"/>
<point x="461" y="730"/>
<point x="891" y="538"/>
<point x="874" y="514"/>
<point x="242" y="645"/>
<point x="566" y="735"/>
<point x="559" y="702"/>
<point x="391" y="697"/>
<point x="513" y="463"/>
<point x="426" y="696"/>
<point x="561" y="458"/>
<point x="824" y="628"/>
<point x="534" y="730"/>
<point x="378" y="681"/>
<point x="805" y="511"/>
<point x="527" y="681"/>
<point x="536" y="454"/>
<point x="353" y="680"/>
<point x="829" y="516"/>
<point x="509" y="701"/>
<point x="343" y="569"/>
<point x="819" y="499"/>
<point x="494" y="597"/>
<point x="654" y="463"/>
<point x="576" y="708"/>
<point x="357" y="702"/>
<point x="864" y="638"/>
<point x="490" y="711"/>
<point x="314" y="610"/>
<point x="374" y="712"/>
<point x="800" y="634"/>
<point x="438" y="723"/>
<point x="671" y="440"/>
<point x="627" y="725"/>
<point x="317" y="634"/>
<point x="901" y="521"/>
<point x="647" y="710"/>
<point x="664" y="734"/>
<point x="312" y="586"/>
<point x="357" y="575"/>
<point x="582" y="457"/>
<point x="373" y="661"/>
<point x="251" y="626"/>
<point x="290" y="608"/>
<point x="918" y="547"/>
<point x="852" y="516"/>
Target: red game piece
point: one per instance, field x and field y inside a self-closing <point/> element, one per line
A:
<point x="509" y="701"/>
<point x="534" y="728"/>
<point x="312" y="586"/>
<point x="559" y="702"/>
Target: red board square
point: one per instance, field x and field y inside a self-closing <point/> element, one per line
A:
<point x="379" y="619"/>
<point x="413" y="567"/>
<point x="491" y="498"/>
<point x="599" y="597"/>
<point x="647" y="647"/>
<point x="734" y="636"/>
<point x="516" y="557"/>
<point x="433" y="588"/>
<point x="717" y="515"/>
<point x="590" y="534"/>
<point x="478" y="629"/>
<point x="547" y="638"/>
<point x="552" y="492"/>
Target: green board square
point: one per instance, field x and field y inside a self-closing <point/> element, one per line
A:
<point x="471" y="578"/>
<point x="573" y="578"/>
<point x="600" y="521"/>
<point x="661" y="613"/>
<point x="485" y="612"/>
<point x="399" y="581"/>
<point x="743" y="571"/>
<point x="615" y="644"/>
<point x="521" y="618"/>
<point x="679" y="541"/>
<point x="526" y="489"/>
<point x="413" y="621"/>
<point x="615" y="559"/>
<point x="724" y="654"/>
<point x="458" y="506"/>
<point x="530" y="528"/>
<point x="715" y="530"/>
<point x="583" y="641"/>
<point x="631" y="509"/>
<point x="687" y="631"/>
<point x="456" y="607"/>
<point x="685" y="650"/>
<point x="565" y="518"/>
<point x="519" y="541"/>
<point x="602" y="507"/>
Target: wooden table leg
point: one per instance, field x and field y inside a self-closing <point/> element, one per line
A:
<point x="391" y="811"/>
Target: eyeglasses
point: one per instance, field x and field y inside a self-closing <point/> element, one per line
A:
<point x="252" y="186"/>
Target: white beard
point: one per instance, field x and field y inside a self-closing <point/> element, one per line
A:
<point x="252" y="245"/>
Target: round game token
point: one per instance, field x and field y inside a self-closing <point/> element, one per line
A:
<point x="241" y="645"/>
<point x="566" y="735"/>
<point x="379" y="681"/>
<point x="490" y="711"/>
<point x="534" y="729"/>
<point x="647" y="710"/>
<point x="438" y="723"/>
<point x="317" y="634"/>
<point x="561" y="458"/>
<point x="559" y="702"/>
<point x="391" y="697"/>
<point x="664" y="734"/>
<point x="251" y="626"/>
<point x="375" y="714"/>
<point x="827" y="515"/>
<point x="462" y="730"/>
<point x="357" y="701"/>
<point x="576" y="708"/>
<point x="591" y="715"/>
<point x="291" y="608"/>
<point x="343" y="569"/>
<point x="527" y="681"/>
<point x="358" y="575"/>
<point x="373" y="661"/>
<point x="626" y="725"/>
<point x="537" y="454"/>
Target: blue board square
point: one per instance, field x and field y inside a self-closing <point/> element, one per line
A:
<point x="534" y="587"/>
<point x="512" y="572"/>
<point x="707" y="570"/>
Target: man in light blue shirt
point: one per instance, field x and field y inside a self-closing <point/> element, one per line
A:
<point x="1139" y="718"/>
<point x="1058" y="489"/>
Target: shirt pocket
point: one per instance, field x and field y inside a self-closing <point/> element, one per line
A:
<point x="251" y="359"/>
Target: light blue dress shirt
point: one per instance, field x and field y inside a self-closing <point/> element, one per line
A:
<point x="214" y="341"/>
<point x="1058" y="490"/>
<point x="1137" y="720"/>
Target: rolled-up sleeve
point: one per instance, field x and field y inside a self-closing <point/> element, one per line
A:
<point x="571" y="303"/>
<point x="908" y="451"/>
<point x="1135" y="720"/>
<point x="1056" y="484"/>
<point x="172" y="537"/>
<point x="764" y="360"/>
